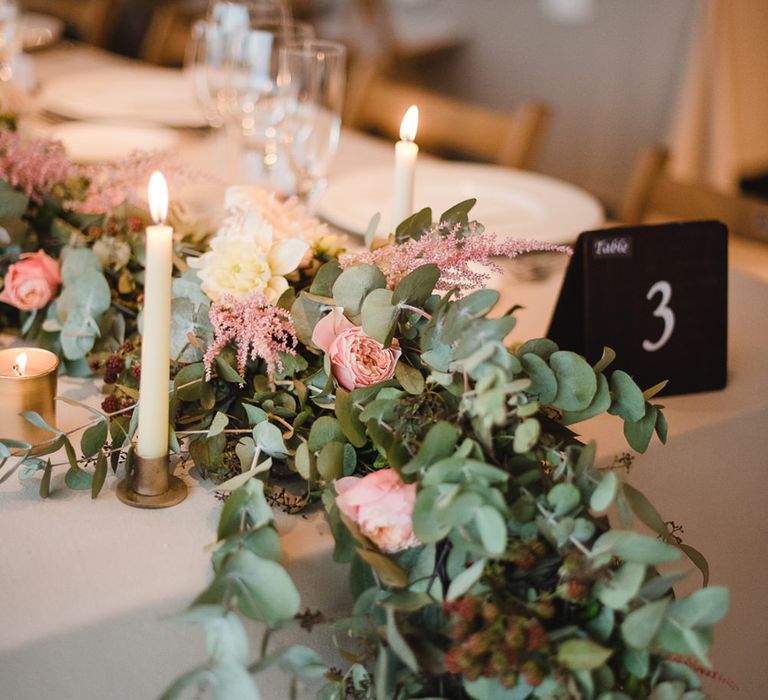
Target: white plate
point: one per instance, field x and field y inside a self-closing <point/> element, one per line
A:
<point x="511" y="203"/>
<point x="91" y="142"/>
<point x="39" y="30"/>
<point x="139" y="93"/>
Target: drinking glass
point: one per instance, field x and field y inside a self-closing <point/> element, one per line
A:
<point x="215" y="51"/>
<point x="312" y="77"/>
<point x="255" y="86"/>
<point x="236" y="15"/>
<point x="207" y="66"/>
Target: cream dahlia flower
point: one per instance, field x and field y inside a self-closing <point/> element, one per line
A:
<point x="243" y="258"/>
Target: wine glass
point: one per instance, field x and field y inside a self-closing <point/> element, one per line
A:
<point x="255" y="77"/>
<point x="237" y="14"/>
<point x="312" y="77"/>
<point x="207" y="66"/>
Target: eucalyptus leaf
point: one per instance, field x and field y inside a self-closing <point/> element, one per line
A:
<point x="218" y="424"/>
<point x="582" y="654"/>
<point x="603" y="495"/>
<point x="388" y="571"/>
<point x="45" y="482"/>
<point x="563" y="498"/>
<point x="379" y="316"/>
<point x="639" y="433"/>
<point x="414" y="226"/>
<point x="330" y="461"/>
<point x="348" y="415"/>
<point x="608" y="356"/>
<point x="322" y="284"/>
<point x="262" y="588"/>
<point x="543" y="347"/>
<point x="623" y="585"/>
<point x="703" y="607"/>
<point x="78" y="479"/>
<point x="576" y="381"/>
<point x="354" y="284"/>
<point x="462" y="583"/>
<point x="99" y="475"/>
<point x="641" y="625"/>
<point x="414" y="289"/>
<point x="398" y="644"/>
<point x="269" y="438"/>
<point x="628" y="401"/>
<point x="543" y="382"/>
<point x="492" y="529"/>
<point x="600" y="404"/>
<point x="37" y="420"/>
<point x="189" y="381"/>
<point x="526" y="435"/>
<point x="245" y="508"/>
<point x="324" y="430"/>
<point x="226" y="372"/>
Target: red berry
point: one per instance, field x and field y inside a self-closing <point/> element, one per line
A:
<point x="110" y="404"/>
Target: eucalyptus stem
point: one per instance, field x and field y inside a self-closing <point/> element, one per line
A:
<point x="417" y="310"/>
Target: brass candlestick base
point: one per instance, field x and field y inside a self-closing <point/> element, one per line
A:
<point x="150" y="485"/>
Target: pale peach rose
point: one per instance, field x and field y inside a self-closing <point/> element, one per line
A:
<point x="356" y="358"/>
<point x="32" y="282"/>
<point x="382" y="507"/>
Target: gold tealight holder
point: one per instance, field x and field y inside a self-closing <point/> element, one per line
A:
<point x="27" y="383"/>
<point x="151" y="485"/>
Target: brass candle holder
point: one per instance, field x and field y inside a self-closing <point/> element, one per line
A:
<point x="151" y="485"/>
<point x="27" y="383"/>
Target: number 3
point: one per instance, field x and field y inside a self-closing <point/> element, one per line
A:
<point x="663" y="312"/>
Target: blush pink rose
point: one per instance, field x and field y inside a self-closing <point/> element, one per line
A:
<point x="382" y="506"/>
<point x="32" y="282"/>
<point x="356" y="358"/>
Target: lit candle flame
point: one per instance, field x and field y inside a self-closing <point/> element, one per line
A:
<point x="158" y="197"/>
<point x="20" y="365"/>
<point x="410" y="124"/>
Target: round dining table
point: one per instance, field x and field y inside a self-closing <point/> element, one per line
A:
<point x="89" y="589"/>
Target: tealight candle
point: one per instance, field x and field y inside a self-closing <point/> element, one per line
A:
<point x="156" y="333"/>
<point x="27" y="383"/>
<point x="406" y="153"/>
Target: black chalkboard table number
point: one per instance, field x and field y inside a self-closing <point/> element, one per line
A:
<point x="657" y="295"/>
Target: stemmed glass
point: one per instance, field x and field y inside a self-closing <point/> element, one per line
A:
<point x="312" y="80"/>
<point x="257" y="107"/>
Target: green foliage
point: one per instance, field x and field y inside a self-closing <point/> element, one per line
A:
<point x="515" y="553"/>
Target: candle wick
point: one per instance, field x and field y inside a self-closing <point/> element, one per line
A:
<point x="17" y="370"/>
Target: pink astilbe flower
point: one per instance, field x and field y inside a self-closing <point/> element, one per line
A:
<point x="460" y="258"/>
<point x="111" y="184"/>
<point x="258" y="329"/>
<point x="33" y="165"/>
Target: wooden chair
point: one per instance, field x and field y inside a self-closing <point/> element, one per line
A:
<point x="447" y="126"/>
<point x="91" y="20"/>
<point x="166" y="38"/>
<point x="653" y="195"/>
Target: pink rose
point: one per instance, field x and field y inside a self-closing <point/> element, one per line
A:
<point x="32" y="282"/>
<point x="382" y="506"/>
<point x="356" y="358"/>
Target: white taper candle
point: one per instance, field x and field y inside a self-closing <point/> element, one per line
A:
<point x="406" y="153"/>
<point x="156" y="333"/>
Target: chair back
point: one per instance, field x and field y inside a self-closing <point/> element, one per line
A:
<point x="653" y="195"/>
<point x="91" y="20"/>
<point x="447" y="126"/>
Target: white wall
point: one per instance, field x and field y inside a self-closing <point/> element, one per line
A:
<point x="612" y="81"/>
